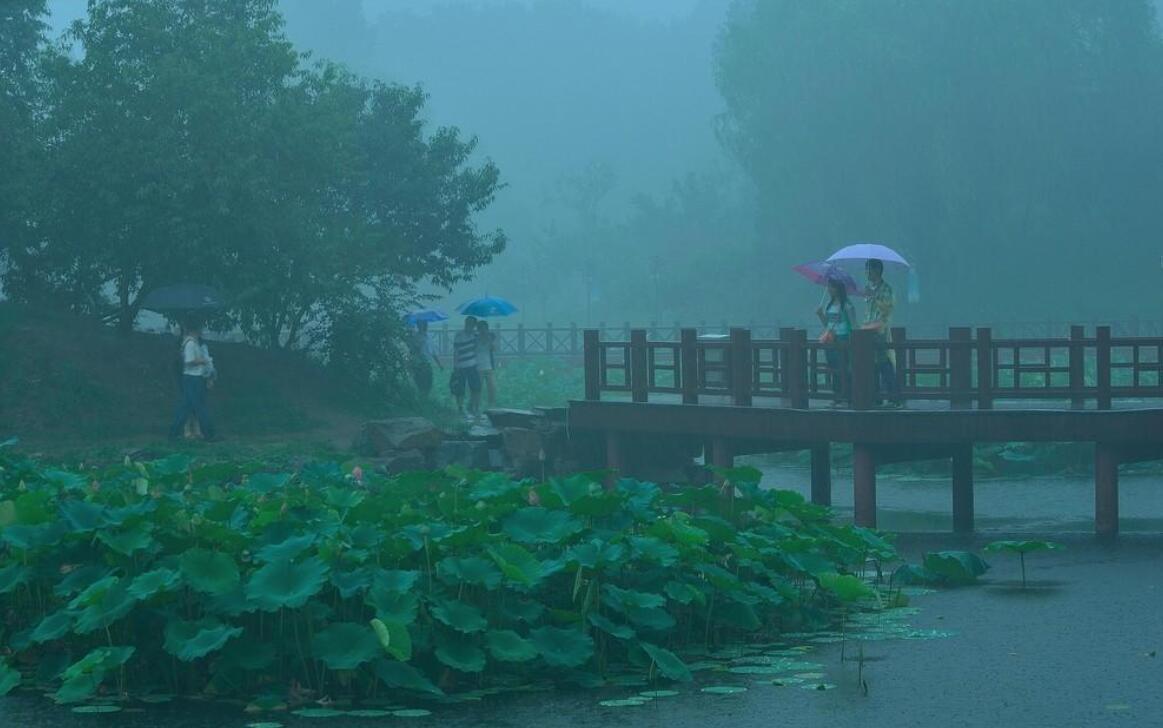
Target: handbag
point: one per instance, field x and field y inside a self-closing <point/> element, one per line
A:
<point x="827" y="337"/>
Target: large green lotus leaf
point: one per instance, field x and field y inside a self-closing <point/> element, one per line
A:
<point x="667" y="662"/>
<point x="596" y="554"/>
<point x="53" y="627"/>
<point x="494" y="485"/>
<point x="620" y="599"/>
<point x="684" y="593"/>
<point x="574" y="488"/>
<point x="392" y="606"/>
<point x="82" y="516"/>
<point x="402" y="675"/>
<point x="914" y="574"/>
<point x="231" y="604"/>
<point x="956" y="567"/>
<point x="419" y="533"/>
<point x="126" y="541"/>
<point x="80" y="579"/>
<point x="209" y="571"/>
<point x="539" y="525"/>
<point x="621" y="631"/>
<point x="286" y="584"/>
<point x="79" y="688"/>
<point x="469" y="570"/>
<point x="506" y="645"/>
<point x="648" y="548"/>
<point x="655" y="618"/>
<point x="394" y="637"/>
<point x="458" y="615"/>
<point x="719" y="530"/>
<point x="720" y="578"/>
<point x="1013" y="547"/>
<point x="462" y="656"/>
<point x="29" y="538"/>
<point x="83" y="677"/>
<point x="146" y="585"/>
<point x="94" y="592"/>
<point x="517" y="564"/>
<point x="343" y="498"/>
<point x="267" y="482"/>
<point x="287" y="549"/>
<point x="12" y="576"/>
<point x="562" y="647"/>
<point x="351" y="583"/>
<point x="9" y="678"/>
<point x="119" y="516"/>
<point x="345" y="645"/>
<point x="190" y="640"/>
<point x="113" y="603"/>
<point x="522" y="610"/>
<point x="395" y="581"/>
<point x="846" y="587"/>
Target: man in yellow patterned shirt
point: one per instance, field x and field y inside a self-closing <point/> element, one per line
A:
<point x="879" y="297"/>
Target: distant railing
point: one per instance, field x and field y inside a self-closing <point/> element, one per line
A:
<point x="967" y="369"/>
<point x="566" y="341"/>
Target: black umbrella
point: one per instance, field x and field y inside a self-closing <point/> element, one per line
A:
<point x="183" y="297"/>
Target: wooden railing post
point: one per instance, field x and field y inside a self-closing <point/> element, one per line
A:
<point x="740" y="367"/>
<point x="573" y="339"/>
<point x="1077" y="367"/>
<point x="960" y="376"/>
<point x="520" y="339"/>
<point x="984" y="369"/>
<point x="548" y="338"/>
<point x="592" y="362"/>
<point x="863" y="357"/>
<point x="626" y="331"/>
<point x="795" y="367"/>
<point x="1102" y="355"/>
<point x="688" y="356"/>
<point x="639" y="374"/>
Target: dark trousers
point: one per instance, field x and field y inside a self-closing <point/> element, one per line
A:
<point x="886" y="380"/>
<point x="422" y="375"/>
<point x="193" y="403"/>
<point x="840" y="370"/>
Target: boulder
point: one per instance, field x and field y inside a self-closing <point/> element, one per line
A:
<point x="465" y="453"/>
<point x="523" y="444"/>
<point x="504" y="418"/>
<point x="402" y="461"/>
<point x="381" y="437"/>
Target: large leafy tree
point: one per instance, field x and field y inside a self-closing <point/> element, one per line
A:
<point x="1009" y="146"/>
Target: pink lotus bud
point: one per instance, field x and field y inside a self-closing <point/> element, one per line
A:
<point x="357" y="473"/>
<point x="533" y="498"/>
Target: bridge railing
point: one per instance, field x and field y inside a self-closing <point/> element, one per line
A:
<point x="967" y="368"/>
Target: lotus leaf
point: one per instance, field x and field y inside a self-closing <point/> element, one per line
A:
<point x="53" y="627"/>
<point x="318" y="713"/>
<point x="395" y="581"/>
<point x="267" y="482"/>
<point x="343" y="498"/>
<point x="955" y="567"/>
<point x="522" y="610"/>
<point x="9" y="678"/>
<point x="667" y="662"/>
<point x="517" y="564"/>
<point x="623" y="703"/>
<point x="684" y="593"/>
<point x="394" y="638"/>
<point x="418" y="534"/>
<point x="562" y="647"/>
<point x="914" y="574"/>
<point x="208" y="571"/>
<point x="82" y="516"/>
<point x="190" y="640"/>
<point x="411" y="713"/>
<point x="402" y="675"/>
<point x="80" y="579"/>
<point x="655" y="618"/>
<point x="81" y="687"/>
<point x="127" y="541"/>
<point x="112" y="603"/>
<point x="534" y="525"/>
<point x="12" y="576"/>
<point x="846" y="587"/>
<point x="507" y="646"/>
<point x="29" y="538"/>
<point x="648" y="548"/>
<point x="621" y="631"/>
<point x="677" y="528"/>
<point x="287" y="549"/>
<point x="619" y="599"/>
<point x="393" y="606"/>
<point x="596" y="554"/>
<point x="724" y="689"/>
<point x="282" y="584"/>
<point x="95" y="709"/>
<point x="146" y="585"/>
<point x="231" y="604"/>
<point x="462" y="656"/>
<point x="345" y="645"/>
<point x="469" y="570"/>
<point x="1022" y="547"/>
<point x="83" y="677"/>
<point x="351" y="583"/>
<point x="460" y="616"/>
<point x="369" y="713"/>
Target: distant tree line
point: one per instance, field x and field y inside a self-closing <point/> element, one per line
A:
<point x="163" y="141"/>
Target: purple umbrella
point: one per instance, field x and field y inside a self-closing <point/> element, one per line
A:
<point x="820" y="272"/>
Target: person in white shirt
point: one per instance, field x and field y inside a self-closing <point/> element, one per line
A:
<point x="197" y="368"/>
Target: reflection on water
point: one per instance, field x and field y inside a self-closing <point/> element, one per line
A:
<point x="1028" y="505"/>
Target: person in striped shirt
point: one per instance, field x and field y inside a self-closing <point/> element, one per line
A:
<point x="464" y="369"/>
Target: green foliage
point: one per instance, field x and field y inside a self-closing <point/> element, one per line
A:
<point x="271" y="579"/>
<point x="1021" y="548"/>
<point x="955" y="567"/>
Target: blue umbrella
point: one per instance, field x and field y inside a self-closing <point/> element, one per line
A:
<point x="183" y="297"/>
<point x="425" y="314"/>
<point x="486" y="307"/>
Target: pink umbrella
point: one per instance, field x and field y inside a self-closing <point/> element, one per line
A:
<point x="820" y="272"/>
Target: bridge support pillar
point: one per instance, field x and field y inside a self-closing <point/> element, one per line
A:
<point x="721" y="454"/>
<point x="822" y="474"/>
<point x="963" y="489"/>
<point x="614" y="458"/>
<point x="1106" y="489"/>
<point x="864" y="484"/>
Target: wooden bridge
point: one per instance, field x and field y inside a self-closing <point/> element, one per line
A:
<point x="737" y="395"/>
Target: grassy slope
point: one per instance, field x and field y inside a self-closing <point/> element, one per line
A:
<point x="69" y="382"/>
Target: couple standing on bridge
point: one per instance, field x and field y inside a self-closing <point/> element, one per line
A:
<point x="837" y="315"/>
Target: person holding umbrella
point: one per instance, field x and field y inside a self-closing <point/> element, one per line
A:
<point x="837" y="317"/>
<point x="196" y="371"/>
<point x="420" y="351"/>
<point x="879" y="297"/>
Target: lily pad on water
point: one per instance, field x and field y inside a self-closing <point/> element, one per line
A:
<point x="345" y="645"/>
<point x="783" y="682"/>
<point x="286" y="584"/>
<point x="264" y="724"/>
<point x="562" y="647"/>
<point x="623" y="703"/>
<point x="369" y="713"/>
<point x="724" y="689"/>
<point x="412" y="713"/>
<point x="97" y="709"/>
<point x="659" y="693"/>
<point x="318" y="713"/>
<point x="818" y="686"/>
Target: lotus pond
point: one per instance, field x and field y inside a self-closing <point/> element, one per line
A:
<point x="327" y="593"/>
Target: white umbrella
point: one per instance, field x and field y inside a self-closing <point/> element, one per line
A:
<point x="868" y="251"/>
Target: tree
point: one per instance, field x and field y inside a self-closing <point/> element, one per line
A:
<point x="1007" y="145"/>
